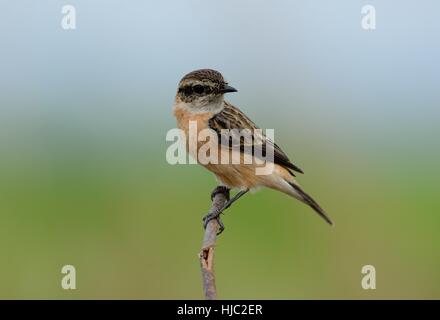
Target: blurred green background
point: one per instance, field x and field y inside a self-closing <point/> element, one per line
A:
<point x="83" y="176"/>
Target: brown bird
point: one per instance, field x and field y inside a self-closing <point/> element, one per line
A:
<point x="200" y="100"/>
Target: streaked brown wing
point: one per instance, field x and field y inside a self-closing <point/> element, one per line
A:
<point x="232" y="118"/>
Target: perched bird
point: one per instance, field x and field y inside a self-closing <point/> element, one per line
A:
<point x="200" y="100"/>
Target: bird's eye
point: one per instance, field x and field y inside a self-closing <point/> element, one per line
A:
<point x="187" y="90"/>
<point x="199" y="89"/>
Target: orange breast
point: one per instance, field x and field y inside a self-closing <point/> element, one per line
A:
<point x="184" y="116"/>
<point x="200" y="120"/>
<point x="232" y="175"/>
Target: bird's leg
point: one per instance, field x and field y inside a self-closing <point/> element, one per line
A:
<point x="220" y="189"/>
<point x="235" y="198"/>
<point x="215" y="214"/>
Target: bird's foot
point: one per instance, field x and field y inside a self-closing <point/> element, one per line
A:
<point x="220" y="189"/>
<point x="214" y="216"/>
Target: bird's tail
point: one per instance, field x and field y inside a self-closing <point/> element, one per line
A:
<point x="301" y="195"/>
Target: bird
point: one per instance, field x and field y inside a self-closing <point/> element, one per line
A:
<point x="200" y="100"/>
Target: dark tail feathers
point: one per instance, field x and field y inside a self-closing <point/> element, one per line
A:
<point x="312" y="203"/>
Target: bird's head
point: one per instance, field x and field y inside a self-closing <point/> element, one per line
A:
<point x="203" y="90"/>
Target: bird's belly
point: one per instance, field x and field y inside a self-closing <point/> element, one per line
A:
<point x="237" y="173"/>
<point x="239" y="176"/>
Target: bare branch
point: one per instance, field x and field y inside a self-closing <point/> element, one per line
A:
<point x="206" y="255"/>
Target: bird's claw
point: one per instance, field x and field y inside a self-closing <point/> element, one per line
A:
<point x="214" y="216"/>
<point x="220" y="189"/>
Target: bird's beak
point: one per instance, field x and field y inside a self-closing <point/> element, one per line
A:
<point x="227" y="89"/>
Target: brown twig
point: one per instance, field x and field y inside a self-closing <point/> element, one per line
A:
<point x="206" y="256"/>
